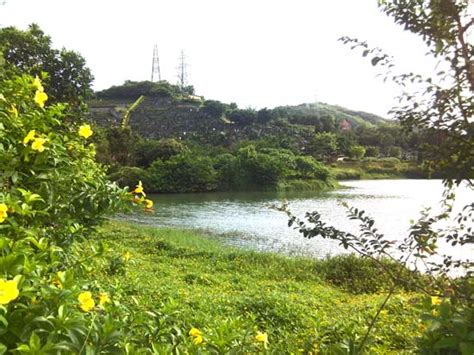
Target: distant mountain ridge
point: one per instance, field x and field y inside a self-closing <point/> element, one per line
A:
<point x="311" y="113"/>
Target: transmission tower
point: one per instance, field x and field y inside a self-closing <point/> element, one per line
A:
<point x="182" y="71"/>
<point x="155" y="67"/>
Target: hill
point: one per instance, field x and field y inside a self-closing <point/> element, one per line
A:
<point x="328" y="117"/>
<point x="175" y="141"/>
<point x="169" y="112"/>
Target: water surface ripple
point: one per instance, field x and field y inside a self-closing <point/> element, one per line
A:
<point x="246" y="220"/>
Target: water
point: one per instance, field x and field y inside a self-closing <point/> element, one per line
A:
<point x="245" y="219"/>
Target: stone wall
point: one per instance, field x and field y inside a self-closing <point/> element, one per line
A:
<point x="163" y="117"/>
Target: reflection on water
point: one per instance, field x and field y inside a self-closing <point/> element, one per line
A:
<point x="246" y="219"/>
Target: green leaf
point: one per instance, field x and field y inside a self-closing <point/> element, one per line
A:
<point x="35" y="342"/>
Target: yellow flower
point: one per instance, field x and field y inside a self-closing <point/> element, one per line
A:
<point x="139" y="189"/>
<point x="40" y="98"/>
<point x="103" y="298"/>
<point x="8" y="291"/>
<point x="37" y="84"/>
<point x="383" y="312"/>
<point x="435" y="300"/>
<point x="86" y="303"/>
<point x="38" y="144"/>
<point x="85" y="131"/>
<point x="29" y="137"/>
<point x="262" y="337"/>
<point x="148" y="204"/>
<point x="127" y="256"/>
<point x="198" y="340"/>
<point x="3" y="212"/>
<point x="194" y="332"/>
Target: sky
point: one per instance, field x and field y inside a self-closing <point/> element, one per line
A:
<point x="257" y="53"/>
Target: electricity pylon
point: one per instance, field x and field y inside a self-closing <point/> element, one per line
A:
<point x="155" y="67"/>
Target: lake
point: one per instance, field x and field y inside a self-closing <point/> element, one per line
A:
<point x="245" y="219"/>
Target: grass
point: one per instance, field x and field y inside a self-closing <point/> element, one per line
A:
<point x="371" y="168"/>
<point x="307" y="185"/>
<point x="190" y="280"/>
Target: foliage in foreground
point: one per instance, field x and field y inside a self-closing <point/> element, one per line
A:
<point x="52" y="196"/>
<point x="183" y="280"/>
<point x="443" y="104"/>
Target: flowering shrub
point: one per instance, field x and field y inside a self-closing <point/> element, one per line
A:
<point x="52" y="195"/>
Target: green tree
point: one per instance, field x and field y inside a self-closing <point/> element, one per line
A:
<point x="68" y="79"/>
<point x="146" y="151"/>
<point x="265" y="115"/>
<point x="324" y="145"/>
<point x="213" y="108"/>
<point x="445" y="102"/>
<point x="183" y="173"/>
<point x="228" y="170"/>
<point x="357" y="152"/>
<point x="243" y="117"/>
<point x="135" y="89"/>
<point x="308" y="167"/>
<point x="265" y="167"/>
<point x="327" y="123"/>
<point x="345" y="140"/>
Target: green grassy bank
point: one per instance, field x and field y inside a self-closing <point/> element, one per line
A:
<point x="371" y="168"/>
<point x="185" y="279"/>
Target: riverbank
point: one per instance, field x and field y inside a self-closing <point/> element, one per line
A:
<point x="370" y="168"/>
<point x="303" y="305"/>
<point x="307" y="185"/>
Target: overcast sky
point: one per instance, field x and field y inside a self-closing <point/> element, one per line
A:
<point x="258" y="53"/>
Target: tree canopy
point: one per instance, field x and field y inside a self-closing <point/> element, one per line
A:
<point x="65" y="75"/>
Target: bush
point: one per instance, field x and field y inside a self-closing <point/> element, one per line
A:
<point x="308" y="167"/>
<point x="357" y="152"/>
<point x="361" y="275"/>
<point x="264" y="169"/>
<point x="372" y="152"/>
<point x="53" y="195"/>
<point x="227" y="168"/>
<point x="183" y="173"/>
<point x="149" y="150"/>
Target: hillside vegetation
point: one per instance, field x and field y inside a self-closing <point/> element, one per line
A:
<point x="175" y="141"/>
